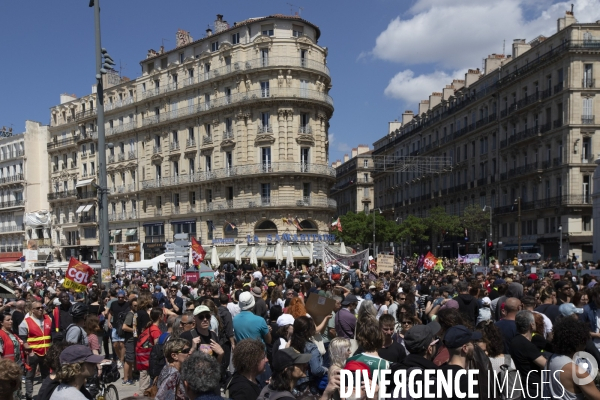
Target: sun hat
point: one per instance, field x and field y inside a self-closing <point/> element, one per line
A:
<point x="246" y="301"/>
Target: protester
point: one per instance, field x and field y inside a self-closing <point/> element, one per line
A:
<point x="249" y="361"/>
<point x="77" y="363"/>
<point x="170" y="383"/>
<point x="202" y="386"/>
<point x="10" y="379"/>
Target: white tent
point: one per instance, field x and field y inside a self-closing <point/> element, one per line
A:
<point x="238" y="254"/>
<point x="343" y="248"/>
<point x="142" y="265"/>
<point x="278" y="252"/>
<point x="214" y="258"/>
<point x="290" y="255"/>
<point x="253" y="259"/>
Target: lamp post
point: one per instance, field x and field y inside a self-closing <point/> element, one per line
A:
<point x="518" y="202"/>
<point x="491" y="234"/>
<point x="102" y="188"/>
<point x="374" y="248"/>
<point x="560" y="245"/>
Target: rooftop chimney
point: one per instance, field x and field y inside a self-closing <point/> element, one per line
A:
<point x="220" y="25"/>
<point x="209" y="32"/>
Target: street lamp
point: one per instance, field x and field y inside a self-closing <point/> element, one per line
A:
<point x="101" y="68"/>
<point x="518" y="203"/>
<point x="378" y="209"/>
<point x="560" y="245"/>
<point x="491" y="235"/>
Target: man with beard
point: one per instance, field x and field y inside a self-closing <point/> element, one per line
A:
<point x="61" y="318"/>
<point x="459" y="341"/>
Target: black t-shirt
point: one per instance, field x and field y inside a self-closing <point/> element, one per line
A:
<point x="549" y="310"/>
<point x="463" y="385"/>
<point x="17" y="318"/>
<point x="142" y="320"/>
<point x="95" y="309"/>
<point x="191" y="334"/>
<point x="524" y="353"/>
<point x="508" y="328"/>
<point x="395" y="353"/>
<point x="116" y="309"/>
<point x="240" y="388"/>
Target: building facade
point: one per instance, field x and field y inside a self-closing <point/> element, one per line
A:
<point x="23" y="189"/>
<point x="353" y="189"/>
<point x="223" y="138"/>
<point x="521" y="136"/>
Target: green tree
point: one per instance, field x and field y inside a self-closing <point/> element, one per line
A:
<point x="412" y="229"/>
<point x="440" y="224"/>
<point x="358" y="228"/>
<point x="476" y="221"/>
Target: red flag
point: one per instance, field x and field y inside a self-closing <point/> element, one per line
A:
<point x="78" y="275"/>
<point x="429" y="261"/>
<point x="198" y="252"/>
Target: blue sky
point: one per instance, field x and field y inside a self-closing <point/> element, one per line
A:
<point x="384" y="55"/>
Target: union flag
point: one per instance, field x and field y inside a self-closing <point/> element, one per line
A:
<point x="198" y="252"/>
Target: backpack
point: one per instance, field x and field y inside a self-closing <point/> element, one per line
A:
<point x="80" y="340"/>
<point x="336" y="272"/>
<point x="110" y="372"/>
<point x="269" y="394"/>
<point x="157" y="356"/>
<point x="143" y="348"/>
<point x="511" y="375"/>
<point x="118" y="325"/>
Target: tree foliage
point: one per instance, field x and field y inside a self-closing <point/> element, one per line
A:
<point x="441" y="223"/>
<point x="476" y="221"/>
<point x="412" y="228"/>
<point x="358" y="228"/>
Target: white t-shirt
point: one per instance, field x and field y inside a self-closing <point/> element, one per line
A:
<point x="381" y="310"/>
<point x="67" y="392"/>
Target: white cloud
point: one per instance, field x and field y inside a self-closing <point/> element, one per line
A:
<point x="412" y="89"/>
<point x="337" y="145"/>
<point x="459" y="33"/>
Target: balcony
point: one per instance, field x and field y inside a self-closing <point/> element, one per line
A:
<point x="11" y="179"/>
<point x="190" y="143"/>
<point x="306" y="129"/>
<point x="551" y="202"/>
<point x="228" y="134"/>
<point x="131" y="154"/>
<point x="12" y="228"/>
<point x="88" y="135"/>
<point x="151" y="93"/>
<point x="244" y="170"/>
<point x="154" y="238"/>
<point x="557" y="161"/>
<point x="87" y="219"/>
<point x="62" y="195"/>
<point x="42" y="242"/>
<point x="174" y="146"/>
<point x="12" y="203"/>
<point x="588" y="83"/>
<point x="17" y="248"/>
<point x="559" y="87"/>
<point x="587" y="119"/>
<point x="115" y="130"/>
<point x="69" y="242"/>
<point x="85" y="114"/>
<point x="156" y="149"/>
<point x="12" y="155"/>
<point x="269" y="201"/>
<point x="111" y="158"/>
<point x="119" y="103"/>
<point x="176" y="210"/>
<point x="55" y="143"/>
<point x="158" y="212"/>
<point x="557" y="123"/>
<point x="239" y="98"/>
<point x="264" y="128"/>
<point x="132" y="215"/>
<point x="207" y="139"/>
<point x="87" y="195"/>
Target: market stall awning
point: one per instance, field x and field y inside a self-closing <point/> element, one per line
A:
<point x="79" y="209"/>
<point x="113" y="233"/>
<point x="87" y="208"/>
<point x="130" y="232"/>
<point x="84" y="182"/>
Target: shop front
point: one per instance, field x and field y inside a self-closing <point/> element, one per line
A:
<point x="128" y="252"/>
<point x="154" y="240"/>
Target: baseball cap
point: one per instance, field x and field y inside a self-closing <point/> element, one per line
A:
<point x="450" y="304"/>
<point x="246" y="301"/>
<point x="486" y="301"/>
<point x="372" y="287"/>
<point x="201" y="309"/>
<point x="568" y="309"/>
<point x="419" y="337"/>
<point x="285" y="319"/>
<point x="121" y="293"/>
<point x="79" y="354"/>
<point x="499" y="282"/>
<point x="286" y="357"/>
<point x="459" y="335"/>
<point x="349" y="300"/>
<point x="157" y="287"/>
<point x="271" y="284"/>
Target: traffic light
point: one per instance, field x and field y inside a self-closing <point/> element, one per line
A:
<point x="107" y="62"/>
<point x="490" y="245"/>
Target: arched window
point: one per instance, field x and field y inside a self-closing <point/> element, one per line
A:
<point x="308" y="225"/>
<point x="266" y="225"/>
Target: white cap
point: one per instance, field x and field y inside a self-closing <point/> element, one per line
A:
<point x="285" y="319"/>
<point x="246" y="301"/>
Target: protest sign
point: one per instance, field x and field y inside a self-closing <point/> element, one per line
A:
<point x="385" y="263"/>
<point x="78" y="275"/>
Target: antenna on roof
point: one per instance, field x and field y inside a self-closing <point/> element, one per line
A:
<point x="163" y="41"/>
<point x="299" y="12"/>
<point x="121" y="68"/>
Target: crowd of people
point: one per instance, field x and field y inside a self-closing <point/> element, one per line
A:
<point x="247" y="333"/>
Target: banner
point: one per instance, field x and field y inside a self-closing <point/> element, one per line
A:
<point x="429" y="261"/>
<point x="346" y="260"/>
<point x="78" y="275"/>
<point x="469" y="259"/>
<point x="198" y="252"/>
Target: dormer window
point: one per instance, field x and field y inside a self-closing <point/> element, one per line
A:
<point x="267" y="30"/>
<point x="150" y="67"/>
<point x="214" y="46"/>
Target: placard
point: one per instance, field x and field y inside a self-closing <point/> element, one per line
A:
<point x="385" y="263"/>
<point x="319" y="307"/>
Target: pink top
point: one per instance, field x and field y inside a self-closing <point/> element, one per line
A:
<point x="93" y="342"/>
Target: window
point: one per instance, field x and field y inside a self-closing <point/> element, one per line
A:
<point x="92" y="168"/>
<point x="265" y="158"/>
<point x="176" y="199"/>
<point x="150" y="67"/>
<point x="267" y="30"/>
<point x="228" y="161"/>
<point x="264" y="89"/>
<point x="192" y="197"/>
<point x="92" y="149"/>
<point x="208" y="163"/>
<point x="264" y="58"/>
<point x="208" y="131"/>
<point x="587" y="116"/>
<point x="228" y="127"/>
<point x="366" y="192"/>
<point x="191" y="166"/>
<point x="304" y="127"/>
<point x="228" y="95"/>
<point x="306" y="190"/>
<point x="209" y="197"/>
<point x="235" y="38"/>
<point x="89" y="233"/>
<point x="157" y="171"/>
<point x="214" y="46"/>
<point x="297" y="30"/>
<point x="265" y="119"/>
<point x="163" y="63"/>
<point x="366" y="163"/>
<point x="587" y="76"/>
<point x="158" y="202"/>
<point x="175" y="168"/>
<point x="265" y="193"/>
<point x="586" y="223"/>
<point x="304" y="158"/>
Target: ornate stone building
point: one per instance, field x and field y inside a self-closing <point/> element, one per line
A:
<point x="223" y="138"/>
<point x="521" y="134"/>
<point x="353" y="189"/>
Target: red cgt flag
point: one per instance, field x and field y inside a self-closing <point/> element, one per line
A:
<point x="198" y="252"/>
<point x="429" y="261"/>
<point x="78" y="275"/>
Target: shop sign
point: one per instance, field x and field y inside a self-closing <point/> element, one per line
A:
<point x="287" y="237"/>
<point x="156" y="245"/>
